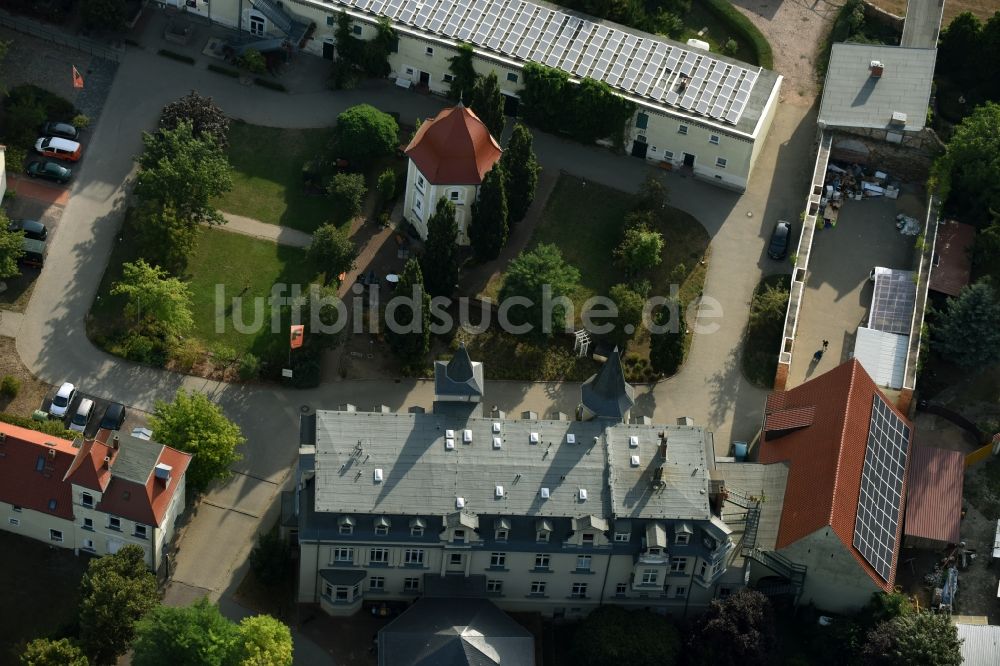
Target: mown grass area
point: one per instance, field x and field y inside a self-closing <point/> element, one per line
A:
<point x="763" y="340"/>
<point x="267" y="181"/>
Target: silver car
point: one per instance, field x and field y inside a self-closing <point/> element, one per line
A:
<point x="60" y="403"/>
<point x="84" y="411"/>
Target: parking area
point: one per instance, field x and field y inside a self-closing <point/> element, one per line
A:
<point x="34" y="201"/>
<point x="838" y="291"/>
<point x="133" y="417"/>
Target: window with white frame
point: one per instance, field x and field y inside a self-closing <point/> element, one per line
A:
<point x="140" y="531"/>
<point x="459" y="536"/>
<point x="327" y="590"/>
<point x="621" y="589"/>
<point x="455" y="196"/>
<point x="622" y="537"/>
<point x="87" y="500"/>
<point x="413" y="556"/>
<point x="649" y="577"/>
<point x="721" y="162"/>
<point x="678" y="564"/>
<point x="494" y="586"/>
<point x="583" y="563"/>
<point x="376" y="583"/>
<point x="542" y="536"/>
<point x="579" y="590"/>
<point x="14" y="521"/>
<point x="346" y="525"/>
<point x="411" y="585"/>
<point x="418" y="203"/>
<point x="541" y="561"/>
<point x="501" y="535"/>
<point x="88" y="523"/>
<point x="343" y="554"/>
<point x="680" y="590"/>
<point x="703" y="569"/>
<point x="512" y="77"/>
<point x="682" y="129"/>
<point x="420" y="181"/>
<point x="668" y="154"/>
<point x="115" y="523"/>
<point x="378" y="555"/>
<point x="455" y="558"/>
<point x="538" y="587"/>
<point x="654" y="551"/>
<point x="417" y="530"/>
<point x="429" y="50"/>
<point x="341" y="594"/>
<point x="56" y="535"/>
<point x="88" y="544"/>
<point x="381" y="526"/>
<point x="448" y="78"/>
<point x="409" y="71"/>
<point x="498" y="560"/>
<point x="588" y="539"/>
<point x="714" y="139"/>
<point x="682" y="538"/>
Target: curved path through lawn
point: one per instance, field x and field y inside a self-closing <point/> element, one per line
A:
<point x="52" y="340"/>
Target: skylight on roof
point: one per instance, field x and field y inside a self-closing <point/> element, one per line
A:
<point x="533" y="438"/>
<point x="544" y="493"/>
<point x="449" y="443"/>
<point x="583" y="494"/>
<point x="449" y="433"/>
<point x="634" y="461"/>
<point x="378" y="475"/>
<point x="459" y="502"/>
<point x="498" y="491"/>
<point x="467" y="436"/>
<point x="497" y="443"/>
<point x="633" y="441"/>
<point x="496" y="427"/>
<point x="570" y="438"/>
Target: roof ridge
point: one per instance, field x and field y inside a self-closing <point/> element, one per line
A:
<point x="840" y="444"/>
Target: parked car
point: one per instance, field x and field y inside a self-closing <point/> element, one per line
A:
<point x="32" y="229"/>
<point x="113" y="417"/>
<point x="50" y="171"/>
<point x="62" y="130"/>
<point x="62" y="149"/>
<point x="782" y="234"/>
<point x="60" y="403"/>
<point x="34" y="252"/>
<point x="82" y="417"/>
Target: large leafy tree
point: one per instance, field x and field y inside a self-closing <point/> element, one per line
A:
<point x="924" y="638"/>
<point x="439" y="262"/>
<point x="526" y="277"/>
<point x="666" y="349"/>
<point x="767" y="314"/>
<point x="487" y="102"/>
<point x="960" y="48"/>
<point x="546" y="95"/>
<point x="613" y="635"/>
<point x="967" y="332"/>
<point x="207" y="119"/>
<point x="348" y="193"/>
<point x="986" y="251"/>
<point x="522" y="172"/>
<point x="154" y="300"/>
<point x="47" y="652"/>
<point x="194" y="424"/>
<point x="116" y="592"/>
<point x="641" y="249"/>
<point x="180" y="170"/>
<point x="463" y="74"/>
<point x="164" y="239"/>
<point x="410" y="334"/>
<point x="11" y="249"/>
<point x="263" y="641"/>
<point x="363" y="134"/>
<point x="488" y="232"/>
<point x="967" y="175"/>
<point x="597" y="112"/>
<point x="103" y="14"/>
<point x="332" y="251"/>
<point x="270" y="559"/>
<point x="196" y="634"/>
<point x="630" y="304"/>
<point x="738" y="631"/>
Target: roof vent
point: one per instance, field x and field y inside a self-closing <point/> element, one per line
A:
<point x="583" y="494"/>
<point x="498" y="491"/>
<point x="115" y="442"/>
<point x="634" y="461"/>
<point x="544" y="493"/>
<point x="876" y="68"/>
<point x="633" y="441"/>
<point x="449" y="433"/>
<point x="162" y="472"/>
<point x="898" y="119"/>
<point x="459" y="502"/>
<point x="107" y="459"/>
<point x="449" y="443"/>
<point x="533" y="438"/>
<point x="570" y="438"/>
<point x="378" y="475"/>
<point x="52" y="454"/>
<point x="467" y="436"/>
<point x="497" y="443"/>
<point x="496" y="427"/>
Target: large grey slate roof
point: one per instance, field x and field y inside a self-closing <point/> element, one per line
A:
<point x="853" y="98"/>
<point x="136" y="458"/>
<point x="421" y="477"/>
<point x="607" y="393"/>
<point x="455" y="632"/>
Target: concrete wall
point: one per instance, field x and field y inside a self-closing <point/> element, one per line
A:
<point x="835" y="580"/>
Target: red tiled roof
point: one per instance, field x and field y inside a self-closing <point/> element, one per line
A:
<point x="827" y="457"/>
<point x="788" y="419"/>
<point x="954" y="266"/>
<point x="145" y="503"/>
<point x="21" y="482"/>
<point x="934" y="494"/>
<point x="89" y="470"/>
<point x="454" y="148"/>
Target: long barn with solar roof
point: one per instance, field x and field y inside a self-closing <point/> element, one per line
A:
<point x="702" y="112"/>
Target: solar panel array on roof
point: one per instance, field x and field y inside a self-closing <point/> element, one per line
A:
<point x="881" y="487"/>
<point x="893" y="301"/>
<point x="657" y="71"/>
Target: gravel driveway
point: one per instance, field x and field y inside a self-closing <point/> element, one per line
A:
<point x="795" y="29"/>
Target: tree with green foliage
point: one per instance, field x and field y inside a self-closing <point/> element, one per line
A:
<point x="767" y="312"/>
<point x="11" y="249"/>
<point x="522" y="169"/>
<point x="546" y="96"/>
<point x="363" y="134"/>
<point x="652" y="197"/>
<point x="196" y="634"/>
<point x="736" y="631"/>
<point x="641" y="250"/>
<point x="598" y="113"/>
<point x="985" y="251"/>
<point x="924" y="638"/>
<point x="103" y="15"/>
<point x="967" y="175"/>
<point x="194" y="424"/>
<point x="386" y="187"/>
<point x="263" y="641"/>
<point x="666" y="349"/>
<point x="527" y="276"/>
<point x="489" y="229"/>
<point x="487" y="103"/>
<point x="463" y="74"/>
<point x="613" y="635"/>
<point x="180" y="170"/>
<point x="116" y="592"/>
<point x="408" y="327"/>
<point x="207" y="119"/>
<point x="960" y="48"/>
<point x="630" y="304"/>
<point x="253" y="61"/>
<point x="348" y="192"/>
<point x="163" y="239"/>
<point x="270" y="559"/>
<point x="23" y="115"/>
<point x="332" y="251"/>
<point x="439" y="262"/>
<point x="967" y="332"/>
<point x="48" y="652"/>
<point x="154" y="300"/>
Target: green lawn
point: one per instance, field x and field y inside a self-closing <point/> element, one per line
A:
<point x="267" y="183"/>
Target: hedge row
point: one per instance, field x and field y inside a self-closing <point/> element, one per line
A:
<point x="179" y="57"/>
<point x="54" y="428"/>
<point x="742" y="26"/>
<point x="219" y="69"/>
<point x="264" y="83"/>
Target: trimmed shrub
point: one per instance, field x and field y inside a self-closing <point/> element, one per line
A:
<point x="249" y="367"/>
<point x="225" y="71"/>
<point x="173" y="55"/>
<point x="54" y="428"/>
<point x="270" y="85"/>
<point x="9" y="386"/>
<point x="80" y="121"/>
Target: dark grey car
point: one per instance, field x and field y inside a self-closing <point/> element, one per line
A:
<point x="780" y="237"/>
<point x="63" y="130"/>
<point x="32" y="229"/>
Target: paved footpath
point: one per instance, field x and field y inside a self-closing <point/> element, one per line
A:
<point x="238" y="224"/>
<point x="53" y="344"/>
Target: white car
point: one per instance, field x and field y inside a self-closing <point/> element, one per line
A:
<point x="60" y="403"/>
<point x="82" y="417"/>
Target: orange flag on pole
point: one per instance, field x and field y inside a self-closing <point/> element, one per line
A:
<point x="297" y="335"/>
<point x="77" y="79"/>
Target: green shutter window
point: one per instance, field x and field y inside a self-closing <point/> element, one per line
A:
<point x="641" y="121"/>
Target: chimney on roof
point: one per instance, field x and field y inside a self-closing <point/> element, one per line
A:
<point x="876" y="68"/>
<point x="52" y="453"/>
<point x="663" y="448"/>
<point x="162" y="472"/>
<point x="107" y="461"/>
<point x="115" y="442"/>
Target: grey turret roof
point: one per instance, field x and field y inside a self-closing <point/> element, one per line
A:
<point x="607" y="393"/>
<point x="458" y="377"/>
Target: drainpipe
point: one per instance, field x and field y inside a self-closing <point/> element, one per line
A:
<point x="316" y="575"/>
<point x="604" y="586"/>
<point x="239" y="21"/>
<point x="687" y="598"/>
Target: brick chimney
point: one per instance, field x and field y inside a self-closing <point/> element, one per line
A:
<point x="876" y="68"/>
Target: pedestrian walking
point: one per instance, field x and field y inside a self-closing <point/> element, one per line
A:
<point x="826" y="343"/>
<point x="817" y="356"/>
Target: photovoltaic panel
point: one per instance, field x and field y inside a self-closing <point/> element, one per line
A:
<point x="882" y="478"/>
<point x="439" y="17"/>
<point x="409" y="9"/>
<point x="424" y="15"/>
<point x="378" y="5"/>
<point x="393" y="7"/>
<point x="893" y="300"/>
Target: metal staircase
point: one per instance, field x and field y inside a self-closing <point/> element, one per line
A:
<point x="294" y="30"/>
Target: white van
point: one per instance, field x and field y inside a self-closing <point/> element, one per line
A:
<point x="59" y="148"/>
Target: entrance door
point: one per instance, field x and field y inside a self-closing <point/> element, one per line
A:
<point x="510" y="104"/>
<point x="689" y="160"/>
<point x="425" y="79"/>
<point x="256" y="25"/>
<point x="328" y="50"/>
<point x="639" y="147"/>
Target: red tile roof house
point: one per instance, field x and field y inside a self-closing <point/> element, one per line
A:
<point x="91" y="495"/>
<point x="847" y="448"/>
<point x="450" y="156"/>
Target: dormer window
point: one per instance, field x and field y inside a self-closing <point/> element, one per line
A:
<point x="543" y="528"/>
<point x="381" y="526"/>
<point x="345" y="525"/>
<point x="501" y="529"/>
<point x="459" y="536"/>
<point x="417" y="526"/>
<point x="542" y="537"/>
<point x="682" y="539"/>
<point x="588" y="539"/>
<point x="501" y="535"/>
<point x="682" y="534"/>
<point x="87" y="500"/>
<point x="655" y="551"/>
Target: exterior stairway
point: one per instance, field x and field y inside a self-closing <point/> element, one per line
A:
<point x="294" y="29"/>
